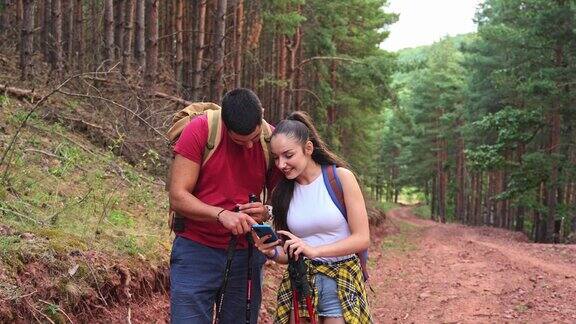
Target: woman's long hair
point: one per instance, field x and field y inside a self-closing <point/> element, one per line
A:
<point x="299" y="126"/>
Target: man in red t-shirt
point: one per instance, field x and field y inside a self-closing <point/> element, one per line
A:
<point x="206" y="196"/>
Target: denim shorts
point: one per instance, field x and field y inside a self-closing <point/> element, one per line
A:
<point x="196" y="273"/>
<point x="328" y="301"/>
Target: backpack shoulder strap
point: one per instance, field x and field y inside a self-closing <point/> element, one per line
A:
<point x="214" y="133"/>
<point x="265" y="136"/>
<point x="336" y="192"/>
<point x="334" y="186"/>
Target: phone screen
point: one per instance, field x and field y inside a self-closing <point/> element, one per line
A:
<point x="262" y="230"/>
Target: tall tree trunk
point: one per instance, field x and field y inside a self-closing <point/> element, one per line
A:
<point x="178" y="58"/>
<point x="196" y="86"/>
<point x="519" y="226"/>
<point x="281" y="75"/>
<point x="331" y="113"/>
<point x="68" y="28"/>
<point x="128" y="31"/>
<point x="294" y="48"/>
<point x="434" y="199"/>
<point x="27" y="40"/>
<point x="79" y="44"/>
<point x="553" y="149"/>
<point x="5" y="22"/>
<point x="216" y="86"/>
<point x="108" y="33"/>
<point x="472" y="199"/>
<point x="188" y="47"/>
<point x="239" y="41"/>
<point x="47" y="31"/>
<point x="57" y="63"/>
<point x="139" y="42"/>
<point x="151" y="45"/>
<point x="460" y="178"/>
<point x="119" y="13"/>
<point x="299" y="77"/>
<point x="166" y="24"/>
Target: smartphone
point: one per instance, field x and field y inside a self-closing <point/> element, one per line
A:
<point x="265" y="229"/>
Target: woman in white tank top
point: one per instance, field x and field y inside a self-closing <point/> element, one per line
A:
<point x="313" y="226"/>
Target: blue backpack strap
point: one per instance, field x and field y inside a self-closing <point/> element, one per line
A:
<point x="334" y="187"/>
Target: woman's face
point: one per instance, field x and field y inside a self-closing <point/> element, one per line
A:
<point x="289" y="155"/>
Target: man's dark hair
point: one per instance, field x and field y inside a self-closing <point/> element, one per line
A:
<point x="241" y="111"/>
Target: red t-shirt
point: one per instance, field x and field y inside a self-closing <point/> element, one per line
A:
<point x="227" y="178"/>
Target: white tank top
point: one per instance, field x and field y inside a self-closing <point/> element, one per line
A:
<point x="313" y="217"/>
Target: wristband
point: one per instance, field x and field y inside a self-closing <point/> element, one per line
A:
<point x="274" y="257"/>
<point x="218" y="215"/>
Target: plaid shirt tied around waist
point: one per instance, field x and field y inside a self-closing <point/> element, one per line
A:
<point x="351" y="291"/>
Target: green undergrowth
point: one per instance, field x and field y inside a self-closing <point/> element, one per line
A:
<point x="386" y="206"/>
<point x="401" y="241"/>
<point x="422" y="211"/>
<point x="59" y="194"/>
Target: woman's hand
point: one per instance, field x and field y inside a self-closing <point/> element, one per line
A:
<point x="295" y="246"/>
<point x="266" y="249"/>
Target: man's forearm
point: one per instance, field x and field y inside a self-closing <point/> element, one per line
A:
<point x="191" y="207"/>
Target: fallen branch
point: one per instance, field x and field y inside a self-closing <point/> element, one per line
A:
<point x="21" y="93"/>
<point x="58" y="308"/>
<point x="21" y="215"/>
<point x="118" y="105"/>
<point x="133" y="87"/>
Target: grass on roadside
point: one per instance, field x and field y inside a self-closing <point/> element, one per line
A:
<point x="401" y="241"/>
<point x="72" y="196"/>
<point x="422" y="211"/>
<point x="385" y="206"/>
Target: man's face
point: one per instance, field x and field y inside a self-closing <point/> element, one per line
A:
<point x="246" y="140"/>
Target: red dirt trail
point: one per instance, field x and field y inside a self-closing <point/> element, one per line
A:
<point x="461" y="274"/>
<point x="426" y="272"/>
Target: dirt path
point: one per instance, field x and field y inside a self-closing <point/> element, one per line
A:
<point x="426" y="272"/>
<point x="446" y="273"/>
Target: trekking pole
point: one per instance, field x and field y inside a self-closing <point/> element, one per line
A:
<point x="251" y="198"/>
<point x="300" y="288"/>
<point x="222" y="289"/>
<point x="249" y="279"/>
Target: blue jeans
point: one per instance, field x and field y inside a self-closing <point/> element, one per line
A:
<point x="196" y="273"/>
<point x="328" y="301"/>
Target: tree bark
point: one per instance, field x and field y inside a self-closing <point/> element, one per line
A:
<point x="108" y="33"/>
<point x="47" y="31"/>
<point x="239" y="41"/>
<point x="293" y="73"/>
<point x="460" y="177"/>
<point x="139" y="43"/>
<point x="553" y="150"/>
<point x="27" y="40"/>
<point x="119" y="13"/>
<point x="216" y="87"/>
<point x="68" y="27"/>
<point x="79" y="35"/>
<point x="128" y="31"/>
<point x="196" y="86"/>
<point x="151" y="44"/>
<point x="57" y="63"/>
<point x="178" y="58"/>
<point x="281" y="90"/>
